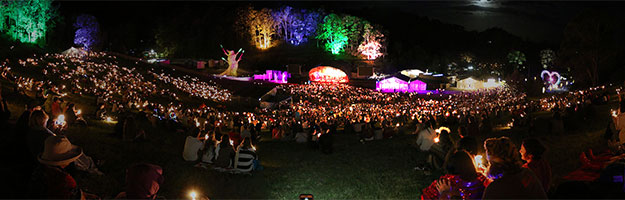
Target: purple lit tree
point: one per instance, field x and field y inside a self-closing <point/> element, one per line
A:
<point x="87" y="31"/>
<point x="296" y="25"/>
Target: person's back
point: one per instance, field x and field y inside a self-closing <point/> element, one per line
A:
<point x="191" y="147"/>
<point x="224" y="153"/>
<point x="425" y="139"/>
<point x="520" y="185"/>
<point x="245" y="159"/>
<point x="51" y="182"/>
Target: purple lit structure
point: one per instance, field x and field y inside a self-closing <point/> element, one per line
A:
<point x="395" y="84"/>
<point x="273" y="76"/>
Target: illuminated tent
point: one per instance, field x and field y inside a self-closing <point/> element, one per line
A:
<point x="400" y="83"/>
<point x="412" y="73"/>
<point x="74" y="52"/>
<point x="473" y="84"/>
<point x="326" y="74"/>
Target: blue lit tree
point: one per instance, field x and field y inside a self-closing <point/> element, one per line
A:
<point x="296" y="26"/>
<point x="87" y="31"/>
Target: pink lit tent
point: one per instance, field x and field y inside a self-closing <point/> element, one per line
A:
<point x="398" y="83"/>
<point x="392" y="84"/>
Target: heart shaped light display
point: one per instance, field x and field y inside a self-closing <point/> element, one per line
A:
<point x="552" y="79"/>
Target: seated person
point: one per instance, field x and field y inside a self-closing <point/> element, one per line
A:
<point x="224" y="153"/>
<point x="461" y="181"/>
<point x="245" y="156"/>
<point x="532" y="153"/>
<point x="50" y="180"/>
<point x="143" y="181"/>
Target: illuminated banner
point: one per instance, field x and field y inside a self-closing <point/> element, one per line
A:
<point x="325" y="74"/>
<point x="273" y="76"/>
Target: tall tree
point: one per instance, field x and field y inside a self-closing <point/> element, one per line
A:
<point x="372" y="45"/>
<point x="547" y="56"/>
<point x="295" y="26"/>
<point x="588" y="46"/>
<point x="87" y="31"/>
<point x="28" y="21"/>
<point x="260" y="26"/>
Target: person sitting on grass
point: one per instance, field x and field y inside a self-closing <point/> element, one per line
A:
<point x="72" y="116"/>
<point x="510" y="179"/>
<point x="224" y="153"/>
<point x="461" y="181"/>
<point x="50" y="180"/>
<point x="38" y="132"/>
<point x="532" y="153"/>
<point x="245" y="156"/>
<point x="143" y="181"/>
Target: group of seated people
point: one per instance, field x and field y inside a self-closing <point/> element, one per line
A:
<point x="222" y="152"/>
<point x="503" y="176"/>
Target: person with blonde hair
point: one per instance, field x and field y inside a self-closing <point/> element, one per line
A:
<point x="510" y="179"/>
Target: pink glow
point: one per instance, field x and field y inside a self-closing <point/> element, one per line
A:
<point x="394" y="84"/>
<point x="273" y="76"/>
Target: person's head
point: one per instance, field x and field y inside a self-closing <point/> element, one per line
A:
<point x="58" y="151"/>
<point x="460" y="163"/>
<point x="70" y="106"/>
<point x="531" y="149"/>
<point x="225" y="140"/>
<point x="502" y="155"/>
<point x="143" y="181"/>
<point x="247" y="143"/>
<point x="468" y="144"/>
<point x="38" y="119"/>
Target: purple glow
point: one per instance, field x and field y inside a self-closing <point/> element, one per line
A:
<point x="87" y="31"/>
<point x="273" y="76"/>
<point x="296" y="25"/>
<point x="394" y="84"/>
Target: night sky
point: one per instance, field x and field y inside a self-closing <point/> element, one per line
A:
<point x="537" y="21"/>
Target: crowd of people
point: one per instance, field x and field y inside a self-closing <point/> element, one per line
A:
<point x="225" y="140"/>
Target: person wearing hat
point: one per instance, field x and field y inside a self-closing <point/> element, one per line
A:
<point x="50" y="180"/>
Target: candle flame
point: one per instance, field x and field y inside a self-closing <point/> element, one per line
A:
<point x="193" y="194"/>
<point x="436" y="140"/>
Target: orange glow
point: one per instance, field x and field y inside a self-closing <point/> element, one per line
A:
<point x="327" y="74"/>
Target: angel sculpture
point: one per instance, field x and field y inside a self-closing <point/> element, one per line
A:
<point x="233" y="61"/>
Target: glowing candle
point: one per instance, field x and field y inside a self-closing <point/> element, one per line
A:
<point x="60" y="120"/>
<point x="193" y="195"/>
<point x="78" y="112"/>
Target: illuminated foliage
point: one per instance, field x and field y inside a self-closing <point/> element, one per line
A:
<point x="353" y="35"/>
<point x="547" y="56"/>
<point x="517" y="58"/>
<point x="296" y="26"/>
<point x="259" y="25"/>
<point x="27" y="21"/>
<point x="371" y="46"/>
<point x="341" y="32"/>
<point x="87" y="31"/>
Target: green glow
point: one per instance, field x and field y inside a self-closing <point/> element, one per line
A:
<point x="26" y="21"/>
<point x="332" y="30"/>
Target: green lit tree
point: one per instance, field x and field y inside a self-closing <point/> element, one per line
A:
<point x="517" y="59"/>
<point x="547" y="56"/>
<point x="343" y="33"/>
<point x="27" y="21"/>
<point x="334" y="33"/>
